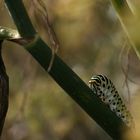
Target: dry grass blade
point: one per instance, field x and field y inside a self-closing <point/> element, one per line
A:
<point x="126" y="68"/>
<point x="41" y="10"/>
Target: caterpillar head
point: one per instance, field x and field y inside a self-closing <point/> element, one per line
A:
<point x="99" y="84"/>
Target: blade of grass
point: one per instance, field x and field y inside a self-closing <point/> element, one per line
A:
<point x="120" y="5"/>
<point x="130" y="22"/>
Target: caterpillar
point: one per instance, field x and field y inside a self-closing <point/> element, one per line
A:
<point x="106" y="91"/>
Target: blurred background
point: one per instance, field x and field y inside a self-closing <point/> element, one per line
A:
<point x="92" y="41"/>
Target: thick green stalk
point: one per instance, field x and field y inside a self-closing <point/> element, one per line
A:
<point x="21" y="18"/>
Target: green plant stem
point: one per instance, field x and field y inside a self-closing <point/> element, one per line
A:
<point x="77" y="89"/>
<point x="21" y="18"/>
<point x="65" y="77"/>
